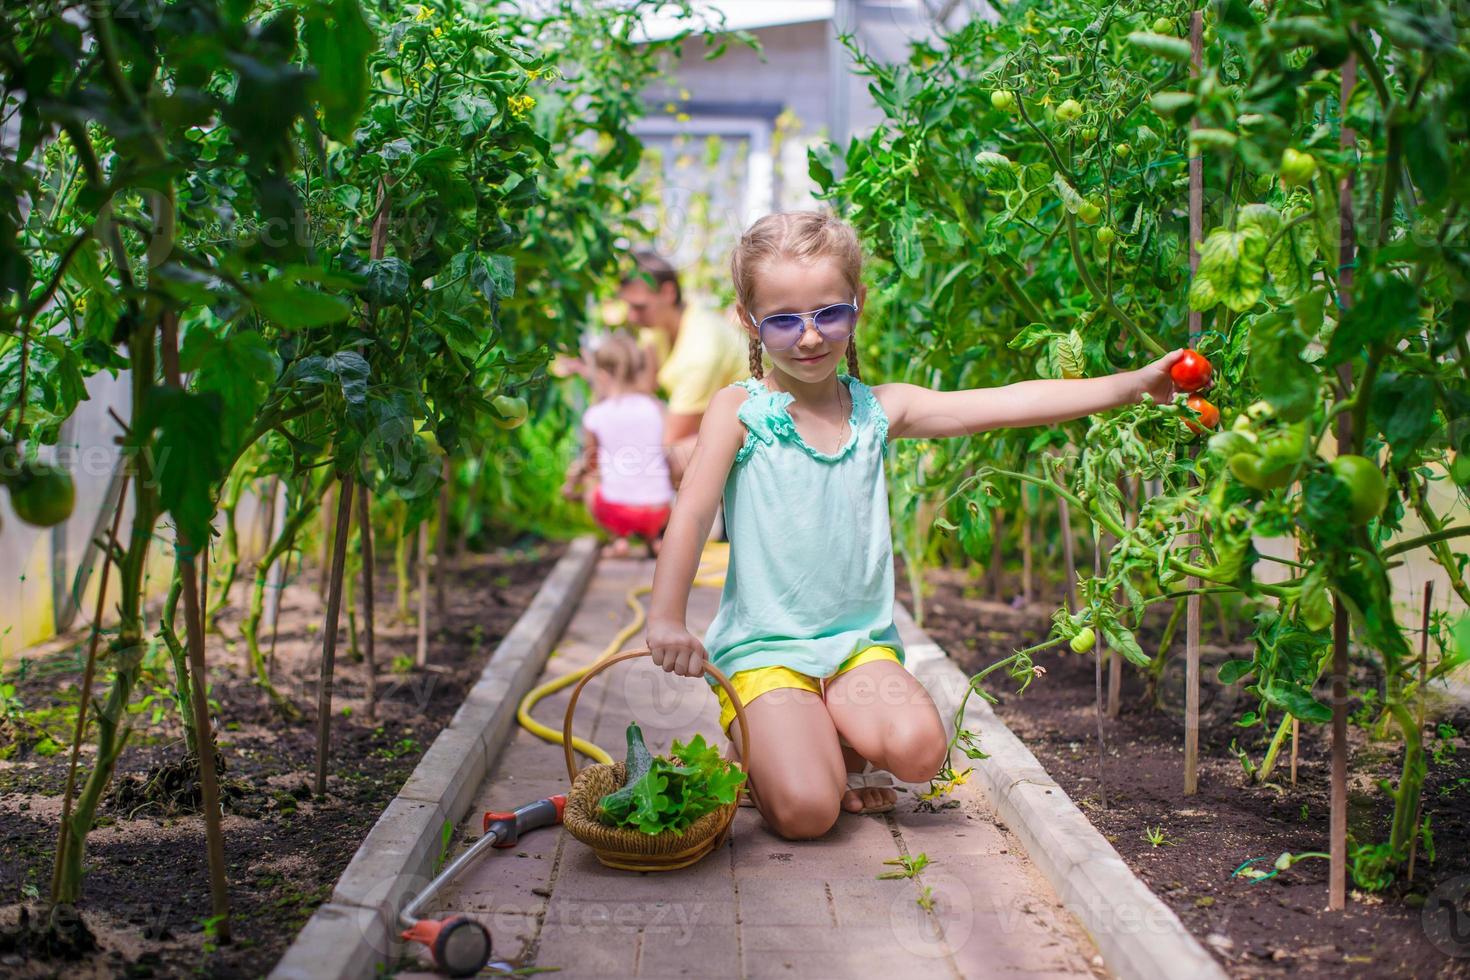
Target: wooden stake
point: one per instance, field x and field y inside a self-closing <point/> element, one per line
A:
<point x="365" y="523"/>
<point x="1192" y="604"/>
<point x="995" y="571"/>
<point x="329" y="634"/>
<point x="1296" y="725"/>
<point x="1102" y="782"/>
<point x="88" y="673"/>
<point x="441" y="544"/>
<point x="422" y="533"/>
<point x="1423" y="679"/>
<point x="324" y="566"/>
<point x="1337" y="824"/>
<point x="285" y="567"/>
<point x="1069" y="559"/>
<point x="1027" y="592"/>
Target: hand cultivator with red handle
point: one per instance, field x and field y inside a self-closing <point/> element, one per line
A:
<point x="459" y="944"/>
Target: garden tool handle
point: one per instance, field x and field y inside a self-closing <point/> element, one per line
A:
<point x="508" y="827"/>
<point x="501" y="830"/>
<point x="599" y="667"/>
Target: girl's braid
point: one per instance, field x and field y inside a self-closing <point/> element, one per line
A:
<point x="756" y="371"/>
<point x="852" y="364"/>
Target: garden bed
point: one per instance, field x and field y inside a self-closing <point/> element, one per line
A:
<point x="147" y="866"/>
<point x="1272" y="928"/>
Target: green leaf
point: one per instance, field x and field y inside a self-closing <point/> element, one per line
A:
<point x="908" y="247"/>
<point x="187" y="456"/>
<point x="1121" y="638"/>
<point x="387" y="280"/>
<point x="238" y="369"/>
<point x="1377" y="317"/>
<point x="1071" y="200"/>
<point x="1296" y="701"/>
<point x="298" y="307"/>
<point x="1288" y="382"/>
<point x="338" y="42"/>
<point x="1315" y="604"/>
<point x="1232" y="263"/>
<point x="1031" y="335"/>
<point x="494" y="276"/>
<point x="1162" y="45"/>
<point x="1233" y="670"/>
<point x="1172" y="105"/>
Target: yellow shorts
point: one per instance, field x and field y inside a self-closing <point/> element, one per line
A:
<point x="751" y="684"/>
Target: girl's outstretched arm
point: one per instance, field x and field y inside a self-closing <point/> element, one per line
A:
<point x="921" y="413"/>
<point x="721" y="434"/>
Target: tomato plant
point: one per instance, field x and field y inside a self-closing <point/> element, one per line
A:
<point x="1315" y="312"/>
<point x="310" y="233"/>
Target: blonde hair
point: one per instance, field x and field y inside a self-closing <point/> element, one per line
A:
<point x="619" y="356"/>
<point x="804" y="236"/>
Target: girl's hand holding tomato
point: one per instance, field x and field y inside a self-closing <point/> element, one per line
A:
<point x="1157" y="381"/>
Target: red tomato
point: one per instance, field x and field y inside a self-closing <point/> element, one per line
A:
<point x="1209" y="415"/>
<point x="1191" y="372"/>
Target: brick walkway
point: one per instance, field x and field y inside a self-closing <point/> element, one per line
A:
<point x="760" y="906"/>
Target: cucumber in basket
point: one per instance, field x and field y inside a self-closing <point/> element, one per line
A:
<point x="661" y="794"/>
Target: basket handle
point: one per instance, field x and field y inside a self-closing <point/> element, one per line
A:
<point x="599" y="667"/>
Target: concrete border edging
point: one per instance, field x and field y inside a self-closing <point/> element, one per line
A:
<point x="354" y="932"/>
<point x="1138" y="935"/>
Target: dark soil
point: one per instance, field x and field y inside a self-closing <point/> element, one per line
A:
<point x="1275" y="927"/>
<point x="146" y="892"/>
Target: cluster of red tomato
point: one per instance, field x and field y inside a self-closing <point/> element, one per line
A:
<point x="1192" y="373"/>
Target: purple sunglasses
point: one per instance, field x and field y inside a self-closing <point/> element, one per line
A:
<point x="783" y="331"/>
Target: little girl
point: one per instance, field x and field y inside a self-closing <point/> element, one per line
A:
<point x="805" y="625"/>
<point x="624" y="446"/>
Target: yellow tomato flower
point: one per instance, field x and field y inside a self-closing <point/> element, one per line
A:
<point x="521" y="104"/>
<point x="425" y="12"/>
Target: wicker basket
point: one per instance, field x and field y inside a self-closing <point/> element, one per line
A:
<point x="625" y="848"/>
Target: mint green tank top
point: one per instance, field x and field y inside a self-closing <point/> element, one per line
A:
<point x="810" y="577"/>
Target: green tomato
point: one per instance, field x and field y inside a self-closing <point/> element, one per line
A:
<point x="1297" y="168"/>
<point x="1083" y="641"/>
<point x="1106" y="236"/>
<point x="1088" y="212"/>
<point x="1003" y="99"/>
<point x="1069" y="111"/>
<point x="1256" y="473"/>
<point x="1122" y="151"/>
<point x="1226" y="444"/>
<point x="1287" y="444"/>
<point x="42" y="495"/>
<point x="510" y="411"/>
<point x="1366" y="487"/>
<point x="1163" y="25"/>
<point x="1087" y="134"/>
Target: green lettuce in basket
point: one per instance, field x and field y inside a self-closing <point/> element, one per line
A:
<point x="661" y="794"/>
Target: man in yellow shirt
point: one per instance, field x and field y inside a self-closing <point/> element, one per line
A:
<point x="693" y="351"/>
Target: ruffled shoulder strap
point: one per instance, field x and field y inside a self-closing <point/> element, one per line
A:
<point x="764" y="415"/>
<point x="869" y="411"/>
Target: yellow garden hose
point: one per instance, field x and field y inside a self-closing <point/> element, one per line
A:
<point x="711" y="573"/>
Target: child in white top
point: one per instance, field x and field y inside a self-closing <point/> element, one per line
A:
<point x="628" y="491"/>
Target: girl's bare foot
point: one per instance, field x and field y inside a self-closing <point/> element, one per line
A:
<point x="855" y="800"/>
<point x="619" y="548"/>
